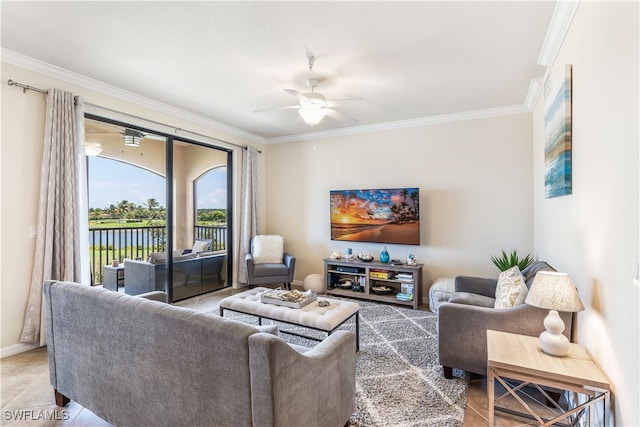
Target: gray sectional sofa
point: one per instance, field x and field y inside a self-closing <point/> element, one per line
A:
<point x="189" y="270"/>
<point x="137" y="362"/>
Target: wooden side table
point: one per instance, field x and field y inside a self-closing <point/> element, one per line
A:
<point x="112" y="277"/>
<point x="520" y="358"/>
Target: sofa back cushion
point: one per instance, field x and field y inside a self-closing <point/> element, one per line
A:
<point x="529" y="273"/>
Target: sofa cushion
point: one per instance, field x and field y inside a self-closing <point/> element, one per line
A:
<point x="511" y="289"/>
<point x="161" y="257"/>
<point x="270" y="269"/>
<point x="472" y="299"/>
<point x="267" y="249"/>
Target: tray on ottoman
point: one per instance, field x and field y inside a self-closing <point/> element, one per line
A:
<point x="293" y="299"/>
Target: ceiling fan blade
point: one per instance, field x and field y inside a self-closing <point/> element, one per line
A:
<point x="297" y="94"/>
<point x="286" y="107"/>
<point x="339" y="116"/>
<point x="295" y="122"/>
<point x="351" y="102"/>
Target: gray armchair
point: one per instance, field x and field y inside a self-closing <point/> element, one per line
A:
<point x="279" y="269"/>
<point x="463" y="321"/>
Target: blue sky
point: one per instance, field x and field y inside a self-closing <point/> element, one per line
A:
<point x="111" y="181"/>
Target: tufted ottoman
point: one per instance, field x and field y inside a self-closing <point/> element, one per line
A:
<point x="440" y="291"/>
<point x="325" y="319"/>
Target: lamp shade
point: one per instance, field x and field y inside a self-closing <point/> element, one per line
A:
<point x="553" y="290"/>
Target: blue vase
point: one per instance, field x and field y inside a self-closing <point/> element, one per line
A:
<point x="384" y="256"/>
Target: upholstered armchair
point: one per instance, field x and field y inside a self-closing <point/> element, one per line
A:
<point x="267" y="263"/>
<point x="463" y="321"/>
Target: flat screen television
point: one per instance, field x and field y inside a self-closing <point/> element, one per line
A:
<point x="377" y="215"/>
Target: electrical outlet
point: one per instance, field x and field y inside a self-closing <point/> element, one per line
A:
<point x="33" y="231"/>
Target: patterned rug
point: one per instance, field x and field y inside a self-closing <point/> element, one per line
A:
<point x="398" y="379"/>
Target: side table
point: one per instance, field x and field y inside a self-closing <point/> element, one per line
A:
<point x="520" y="358"/>
<point x="112" y="277"/>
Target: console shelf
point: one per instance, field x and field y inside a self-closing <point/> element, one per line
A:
<point x="366" y="277"/>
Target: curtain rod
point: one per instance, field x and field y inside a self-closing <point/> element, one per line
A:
<point x="26" y="88"/>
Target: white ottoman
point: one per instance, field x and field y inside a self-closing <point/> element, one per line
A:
<point x="440" y="292"/>
<point x="322" y="318"/>
<point x="315" y="283"/>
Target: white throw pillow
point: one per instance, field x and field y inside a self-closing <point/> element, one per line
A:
<point x="267" y="249"/>
<point x="511" y="289"/>
<point x="199" y="246"/>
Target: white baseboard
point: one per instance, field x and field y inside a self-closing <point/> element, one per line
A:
<point x="17" y="349"/>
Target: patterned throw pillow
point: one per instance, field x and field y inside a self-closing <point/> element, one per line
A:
<point x="511" y="289"/>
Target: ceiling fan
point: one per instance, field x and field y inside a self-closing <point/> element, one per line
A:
<point x="313" y="106"/>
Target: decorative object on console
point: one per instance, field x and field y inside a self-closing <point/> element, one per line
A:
<point x="384" y="256"/>
<point x="411" y="259"/>
<point x="336" y="255"/>
<point x="376" y="215"/>
<point x="365" y="257"/>
<point x="555" y="292"/>
<point x="349" y="256"/>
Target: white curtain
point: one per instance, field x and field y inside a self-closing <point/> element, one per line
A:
<point x="62" y="243"/>
<point x="248" y="208"/>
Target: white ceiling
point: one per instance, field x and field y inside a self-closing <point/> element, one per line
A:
<point x="222" y="60"/>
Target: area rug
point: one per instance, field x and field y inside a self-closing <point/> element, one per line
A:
<point x="398" y="379"/>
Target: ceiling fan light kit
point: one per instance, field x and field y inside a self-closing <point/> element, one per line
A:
<point x="132" y="137"/>
<point x="311" y="114"/>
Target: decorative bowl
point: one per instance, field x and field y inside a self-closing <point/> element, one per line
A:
<point x="382" y="290"/>
<point x="365" y="257"/>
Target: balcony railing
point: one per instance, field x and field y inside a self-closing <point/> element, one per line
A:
<point x="108" y="244"/>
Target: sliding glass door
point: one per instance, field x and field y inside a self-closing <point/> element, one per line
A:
<point x="159" y="211"/>
<point x="200" y="219"/>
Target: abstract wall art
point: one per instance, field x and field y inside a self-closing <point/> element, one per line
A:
<point x="557" y="134"/>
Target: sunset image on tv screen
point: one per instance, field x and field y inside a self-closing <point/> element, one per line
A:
<point x="380" y="215"/>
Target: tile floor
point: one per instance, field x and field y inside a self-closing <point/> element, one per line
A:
<point x="27" y="399"/>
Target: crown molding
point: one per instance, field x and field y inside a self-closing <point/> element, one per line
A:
<point x="560" y="22"/>
<point x="535" y="90"/>
<point x="59" y="73"/>
<point x="53" y="71"/>
<point x="402" y="124"/>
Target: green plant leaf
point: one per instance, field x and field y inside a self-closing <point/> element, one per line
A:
<point x="505" y="262"/>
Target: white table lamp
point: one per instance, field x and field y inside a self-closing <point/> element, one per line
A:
<point x="555" y="292"/>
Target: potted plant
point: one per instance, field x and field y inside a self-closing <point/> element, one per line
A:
<point x="505" y="261"/>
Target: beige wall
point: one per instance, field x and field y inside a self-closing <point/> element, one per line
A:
<point x="21" y="142"/>
<point x="593" y="234"/>
<point x="475" y="180"/>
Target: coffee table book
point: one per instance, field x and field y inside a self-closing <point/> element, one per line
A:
<point x="292" y="299"/>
